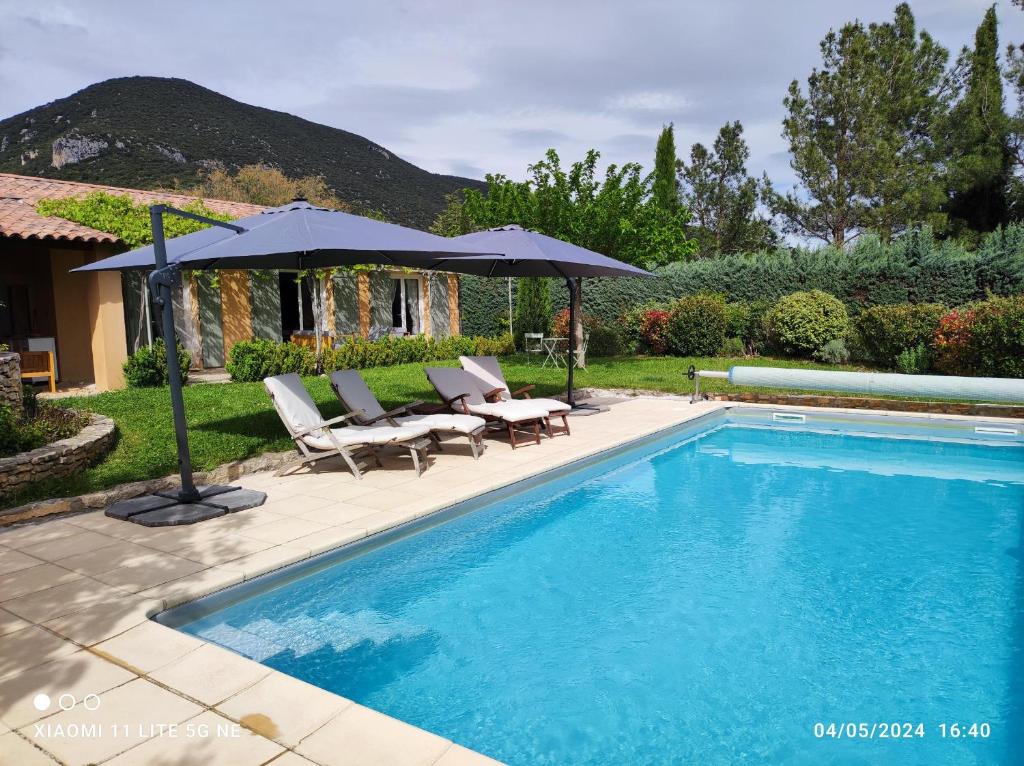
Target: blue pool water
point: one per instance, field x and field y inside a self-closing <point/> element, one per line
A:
<point x="705" y="601"/>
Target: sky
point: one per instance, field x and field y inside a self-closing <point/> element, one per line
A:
<point x="470" y="87"/>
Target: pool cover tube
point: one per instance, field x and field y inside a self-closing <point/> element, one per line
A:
<point x="891" y="384"/>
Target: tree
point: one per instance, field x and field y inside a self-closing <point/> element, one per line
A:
<point x="533" y="307"/>
<point x="665" y="186"/>
<point x="860" y="137"/>
<point x="722" y="198"/>
<point x="265" y="185"/>
<point x="980" y="159"/>
<point x="616" y="217"/>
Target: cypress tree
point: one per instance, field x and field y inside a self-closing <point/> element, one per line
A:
<point x="665" y="188"/>
<point x="977" y="139"/>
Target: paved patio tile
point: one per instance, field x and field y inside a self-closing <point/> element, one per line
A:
<point x="363" y="737"/>
<point x="337" y="513"/>
<point x="192" y="587"/>
<point x="105" y="620"/>
<point x="330" y="538"/>
<point x="207" y="739"/>
<point x="73" y="596"/>
<point x="376" y="521"/>
<point x="278" y="532"/>
<point x="148" y="646"/>
<point x="11" y="622"/>
<point x="19" y="752"/>
<point x="144" y="573"/>
<point x="213" y="550"/>
<point x="289" y="758"/>
<point x="268" y="560"/>
<point x="282" y="708"/>
<point x="84" y="541"/>
<point x="138" y="709"/>
<point x="77" y="674"/>
<point x="29" y="647"/>
<point x="32" y="579"/>
<point x="385" y="499"/>
<point x="210" y="674"/>
<point x="33" y="534"/>
<point x="121" y="553"/>
<point x="12" y="560"/>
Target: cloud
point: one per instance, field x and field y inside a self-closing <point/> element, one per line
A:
<point x="470" y="88"/>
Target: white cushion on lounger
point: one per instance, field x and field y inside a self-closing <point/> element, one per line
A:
<point x="451" y="382"/>
<point x="296" y="405"/>
<point x="357" y="396"/>
<point x="458" y="424"/>
<point x="486" y="372"/>
<point x="377" y="435"/>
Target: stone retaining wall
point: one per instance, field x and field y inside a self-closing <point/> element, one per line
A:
<point x="10" y="380"/>
<point x="59" y="459"/>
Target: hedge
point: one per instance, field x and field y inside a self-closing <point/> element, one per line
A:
<point x="916" y="268"/>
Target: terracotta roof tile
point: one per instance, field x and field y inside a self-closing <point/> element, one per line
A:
<point x="20" y="194"/>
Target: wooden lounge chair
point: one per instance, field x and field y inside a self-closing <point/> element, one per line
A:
<point x="353" y="392"/>
<point x="315" y="439"/>
<point x="459" y="391"/>
<point x="486" y="372"/>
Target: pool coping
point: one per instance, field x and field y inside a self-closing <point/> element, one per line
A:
<point x="379" y="736"/>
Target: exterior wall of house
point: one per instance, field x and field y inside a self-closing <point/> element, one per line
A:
<point x="109" y="344"/>
<point x="380" y="301"/>
<point x="71" y="309"/>
<point x="236" y="307"/>
<point x="440" y="325"/>
<point x="346" y="303"/>
<point x="266" y="306"/>
<point x="210" y="320"/>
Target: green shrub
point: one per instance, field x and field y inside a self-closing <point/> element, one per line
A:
<point x="697" y="325"/>
<point x="833" y="352"/>
<point x="733" y="347"/>
<point x="47" y="425"/>
<point x="605" y="340"/>
<point x="254" y="360"/>
<point x="533" y="306"/>
<point x="633" y="323"/>
<point x="997" y="337"/>
<point x="887" y="331"/>
<point x="914" y="361"/>
<point x="147" y="367"/>
<point x="737" y="320"/>
<point x="802" y="323"/>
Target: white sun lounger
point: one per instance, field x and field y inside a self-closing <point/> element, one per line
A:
<point x="459" y="391"/>
<point x="353" y="392"/>
<point x="315" y="439"/>
<point x="486" y="371"/>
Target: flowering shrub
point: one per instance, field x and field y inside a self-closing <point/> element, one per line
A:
<point x="654" y="331"/>
<point x="952" y="343"/>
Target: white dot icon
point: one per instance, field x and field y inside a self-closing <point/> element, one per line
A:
<point x="41" y="701"/>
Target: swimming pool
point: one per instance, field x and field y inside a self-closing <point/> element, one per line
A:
<point x="730" y="591"/>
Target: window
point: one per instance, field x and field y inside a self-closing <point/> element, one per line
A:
<point x="405" y="306"/>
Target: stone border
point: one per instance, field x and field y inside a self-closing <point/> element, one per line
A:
<point x="268" y="461"/>
<point x="10" y="380"/>
<point x="57" y="459"/>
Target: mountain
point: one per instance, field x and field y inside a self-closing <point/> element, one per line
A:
<point x="153" y="132"/>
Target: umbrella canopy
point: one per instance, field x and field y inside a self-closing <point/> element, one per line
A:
<point x="295" y="236"/>
<point x="525" y="253"/>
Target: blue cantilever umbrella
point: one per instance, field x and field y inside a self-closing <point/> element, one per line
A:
<point x="294" y="236"/>
<point x="525" y="253"/>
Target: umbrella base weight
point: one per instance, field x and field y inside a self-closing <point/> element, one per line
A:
<point x="586" y="409"/>
<point x="165" y="509"/>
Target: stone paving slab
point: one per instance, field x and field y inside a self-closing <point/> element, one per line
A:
<point x="71" y="625"/>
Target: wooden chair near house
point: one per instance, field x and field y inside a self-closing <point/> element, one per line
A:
<point x="39" y="364"/>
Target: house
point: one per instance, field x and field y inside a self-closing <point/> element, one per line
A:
<point x="93" y="321"/>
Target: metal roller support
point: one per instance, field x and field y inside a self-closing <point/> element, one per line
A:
<point x="695" y="375"/>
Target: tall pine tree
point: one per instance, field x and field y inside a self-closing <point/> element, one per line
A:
<point x="979" y="156"/>
<point x="665" y="186"/>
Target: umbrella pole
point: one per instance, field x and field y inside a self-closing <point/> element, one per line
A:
<point x="570" y="397"/>
<point x="162" y="284"/>
<point x="190" y="503"/>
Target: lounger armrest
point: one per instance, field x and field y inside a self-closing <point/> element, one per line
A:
<point x="523" y="390"/>
<point x="389" y="415"/>
<point x="460" y="398"/>
<point x="328" y="423"/>
<point x="422" y="408"/>
<point x="494" y="395"/>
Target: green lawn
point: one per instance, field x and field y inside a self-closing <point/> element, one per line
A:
<point x="236" y="420"/>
